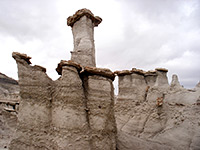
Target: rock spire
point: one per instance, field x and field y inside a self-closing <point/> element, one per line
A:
<point x="83" y="23"/>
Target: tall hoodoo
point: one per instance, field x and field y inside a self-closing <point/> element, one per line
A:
<point x="83" y="23"/>
<point x="75" y="111"/>
<point x="78" y="110"/>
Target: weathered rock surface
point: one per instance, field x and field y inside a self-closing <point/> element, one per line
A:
<point x="9" y="100"/>
<point x="34" y="110"/>
<point x="83" y="23"/>
<point x="83" y="12"/>
<point x="74" y="112"/>
<point x="95" y="99"/>
<point x="100" y="103"/>
<point x="77" y="110"/>
<point x="69" y="117"/>
<point x="86" y="70"/>
<point x="8" y="123"/>
<point x="150" y="114"/>
<point x="9" y="88"/>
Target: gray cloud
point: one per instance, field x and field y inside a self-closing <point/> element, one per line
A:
<point x="26" y="20"/>
<point x="142" y="34"/>
<point x="35" y="28"/>
<point x="161" y="34"/>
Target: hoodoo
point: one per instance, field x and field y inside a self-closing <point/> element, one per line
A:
<point x="83" y="23"/>
<point x="77" y="111"/>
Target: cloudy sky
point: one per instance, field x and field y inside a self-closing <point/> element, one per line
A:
<point x="143" y="34"/>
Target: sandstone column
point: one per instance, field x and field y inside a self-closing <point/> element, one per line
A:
<point x="69" y="120"/>
<point x="83" y="23"/>
<point x="162" y="77"/>
<point x="34" y="116"/>
<point x="99" y="93"/>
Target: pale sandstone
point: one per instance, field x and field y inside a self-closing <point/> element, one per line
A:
<point x="34" y="110"/>
<point x="86" y="70"/>
<point x="70" y="127"/>
<point x="74" y="112"/>
<point x="161" y="79"/>
<point x="163" y="117"/>
<point x="9" y="102"/>
<point x="77" y="110"/>
<point x="175" y="82"/>
<point x="83" y="23"/>
<point x="100" y="104"/>
<point x="150" y="77"/>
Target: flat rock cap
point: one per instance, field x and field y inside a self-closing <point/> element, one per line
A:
<point x="83" y="12"/>
<point x="129" y="72"/>
<point x="86" y="70"/>
<point x="17" y="55"/>
<point x="161" y="69"/>
<point x="23" y="57"/>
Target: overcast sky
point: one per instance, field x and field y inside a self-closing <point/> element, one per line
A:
<point x="143" y="34"/>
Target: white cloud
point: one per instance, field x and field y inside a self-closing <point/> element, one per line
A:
<point x="142" y="34"/>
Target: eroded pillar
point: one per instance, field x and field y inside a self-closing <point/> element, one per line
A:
<point x="69" y="119"/>
<point x="83" y="23"/>
<point x="34" y="116"/>
<point x="161" y="77"/>
<point x="99" y="93"/>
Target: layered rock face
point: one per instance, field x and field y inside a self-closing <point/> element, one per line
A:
<point x="74" y="112"/>
<point x="34" y="110"/>
<point x="9" y="100"/>
<point x="83" y="23"/>
<point x="77" y="111"/>
<point x="9" y="88"/>
<point x="100" y="99"/>
<point x="151" y="114"/>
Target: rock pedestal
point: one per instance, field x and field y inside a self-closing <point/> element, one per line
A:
<point x="74" y="112"/>
<point x="34" y="109"/>
<point x="100" y="103"/>
<point x="77" y="110"/>
<point x="83" y="23"/>
<point x="161" y="79"/>
<point x="69" y="121"/>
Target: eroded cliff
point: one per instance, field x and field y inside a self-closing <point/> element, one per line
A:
<point x="77" y="111"/>
<point x="9" y="101"/>
<point x="74" y="112"/>
<point x="151" y="114"/>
